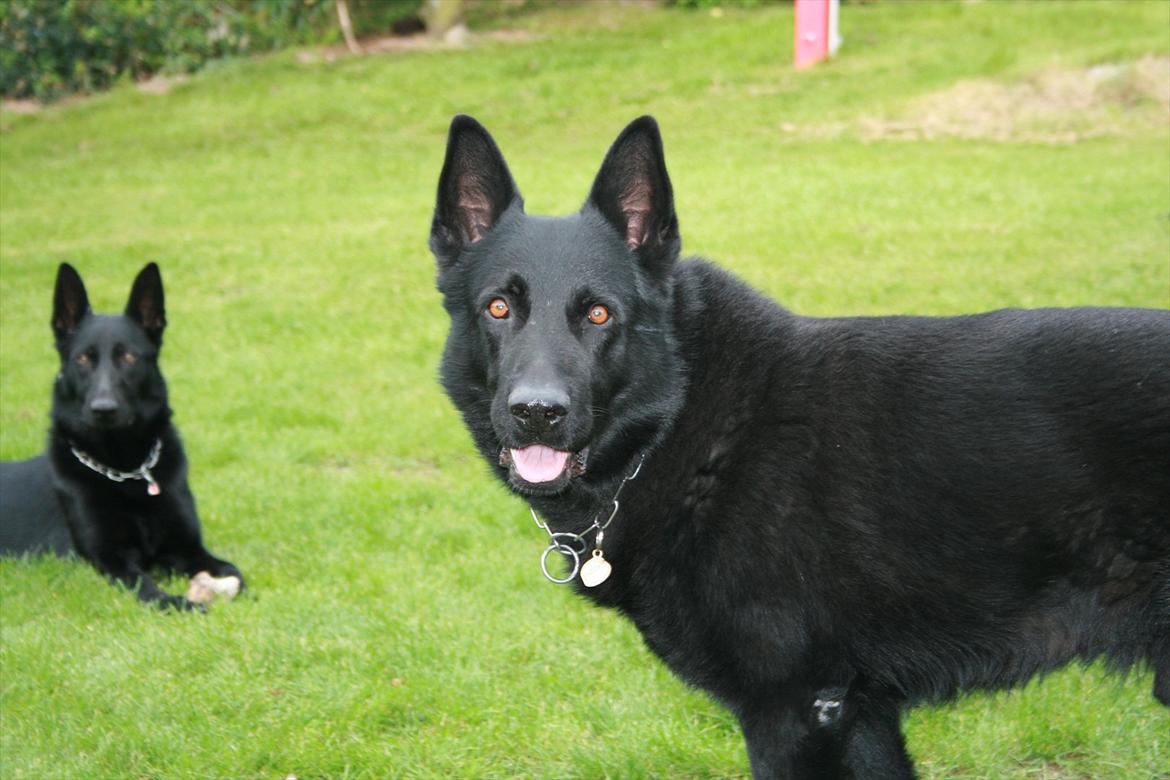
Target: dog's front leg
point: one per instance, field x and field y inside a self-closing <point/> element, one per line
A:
<point x="195" y="559"/>
<point x="112" y="549"/>
<point x="183" y="549"/>
<point x="781" y="744"/>
<point x="192" y="557"/>
<point x="133" y="577"/>
<point x="855" y="732"/>
<point x="873" y="743"/>
<point x="839" y="734"/>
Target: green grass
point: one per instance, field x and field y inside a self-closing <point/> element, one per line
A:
<point x="397" y="624"/>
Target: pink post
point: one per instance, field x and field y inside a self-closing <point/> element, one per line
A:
<point x="815" y="31"/>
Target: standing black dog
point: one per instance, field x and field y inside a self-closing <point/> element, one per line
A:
<point x="113" y="484"/>
<point x="821" y="521"/>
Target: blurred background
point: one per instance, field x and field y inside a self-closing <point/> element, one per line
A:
<point x="278" y="159"/>
<point x="53" y="48"/>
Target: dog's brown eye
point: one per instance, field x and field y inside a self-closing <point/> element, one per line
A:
<point x="128" y="358"/>
<point x="598" y="314"/>
<point x="498" y="308"/>
<point x="83" y="359"/>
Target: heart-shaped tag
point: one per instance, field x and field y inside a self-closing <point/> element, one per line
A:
<point x="595" y="571"/>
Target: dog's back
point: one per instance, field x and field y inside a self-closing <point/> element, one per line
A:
<point x="32" y="520"/>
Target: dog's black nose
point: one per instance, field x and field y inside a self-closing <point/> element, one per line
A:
<point x="103" y="407"/>
<point x="538" y="409"/>
<point x="539" y="413"/>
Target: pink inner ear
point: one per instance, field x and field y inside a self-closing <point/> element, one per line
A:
<point x="475" y="213"/>
<point x="149" y="315"/>
<point x="636" y="207"/>
<point x="70" y="317"/>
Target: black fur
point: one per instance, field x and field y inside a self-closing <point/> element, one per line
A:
<point x="836" y="518"/>
<point x="109" y="402"/>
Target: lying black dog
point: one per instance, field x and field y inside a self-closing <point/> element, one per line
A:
<point x="821" y="521"/>
<point x="113" y="483"/>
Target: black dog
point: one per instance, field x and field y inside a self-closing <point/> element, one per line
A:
<point x="821" y="521"/>
<point x="113" y="484"/>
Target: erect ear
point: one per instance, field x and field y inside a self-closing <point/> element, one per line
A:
<point x="475" y="188"/>
<point x="632" y="190"/>
<point x="70" y="302"/>
<point x="146" y="306"/>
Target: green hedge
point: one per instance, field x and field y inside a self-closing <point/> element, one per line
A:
<point x="50" y="48"/>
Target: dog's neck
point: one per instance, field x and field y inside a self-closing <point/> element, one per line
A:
<point x="121" y="450"/>
<point x="580" y="548"/>
<point x="142" y="472"/>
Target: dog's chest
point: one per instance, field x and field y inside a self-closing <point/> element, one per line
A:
<point x="139" y="523"/>
<point x="689" y="574"/>
<point x="152" y="529"/>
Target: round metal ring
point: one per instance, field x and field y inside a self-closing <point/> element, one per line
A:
<point x="564" y="549"/>
<point x="573" y="540"/>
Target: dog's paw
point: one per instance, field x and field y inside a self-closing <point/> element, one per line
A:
<point x="204" y="588"/>
<point x="180" y="604"/>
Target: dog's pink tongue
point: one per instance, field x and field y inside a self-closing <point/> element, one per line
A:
<point x="537" y="463"/>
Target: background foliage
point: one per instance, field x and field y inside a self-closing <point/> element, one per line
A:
<point x="49" y="48"/>
<point x="956" y="157"/>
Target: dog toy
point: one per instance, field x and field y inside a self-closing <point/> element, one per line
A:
<point x="204" y="588"/>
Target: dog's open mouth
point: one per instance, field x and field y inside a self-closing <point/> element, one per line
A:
<point x="542" y="467"/>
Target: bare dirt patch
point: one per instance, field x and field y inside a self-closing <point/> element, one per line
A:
<point x="1057" y="106"/>
<point x="19" y="107"/>
<point x="160" y="85"/>
<point x="22" y="106"/>
<point x="156" y="85"/>
<point x="457" y="37"/>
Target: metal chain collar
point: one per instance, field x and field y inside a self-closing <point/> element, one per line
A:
<point x="142" y="472"/>
<point x="574" y="545"/>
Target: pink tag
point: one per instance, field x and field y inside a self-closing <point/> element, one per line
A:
<point x="153" y="489"/>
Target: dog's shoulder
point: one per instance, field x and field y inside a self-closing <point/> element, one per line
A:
<point x="714" y="301"/>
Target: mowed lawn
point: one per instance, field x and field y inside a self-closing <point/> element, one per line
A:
<point x="956" y="157"/>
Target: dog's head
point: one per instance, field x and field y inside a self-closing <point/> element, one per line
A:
<point x="109" y="378"/>
<point x="561" y="354"/>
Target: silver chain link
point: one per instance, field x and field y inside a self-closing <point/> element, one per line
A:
<point x="142" y="472"/>
<point x="574" y="545"/>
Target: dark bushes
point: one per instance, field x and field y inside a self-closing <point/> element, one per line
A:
<point x="49" y="48"/>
